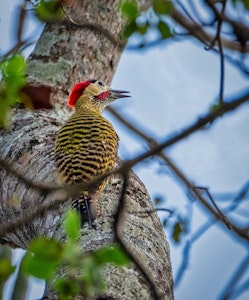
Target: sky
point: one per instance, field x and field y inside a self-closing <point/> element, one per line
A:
<point x="171" y="86"/>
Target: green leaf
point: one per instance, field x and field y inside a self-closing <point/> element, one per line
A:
<point x="13" y="79"/>
<point x="46" y="249"/>
<point x="14" y="66"/>
<point x="42" y="258"/>
<point x="142" y="29"/>
<point x="5" y="114"/>
<point x="164" y="29"/>
<point x="216" y="106"/>
<point x="162" y="7"/>
<point x="13" y="72"/>
<point x="111" y="254"/>
<point x="6" y="269"/>
<point x="177" y="231"/>
<point x="129" y="29"/>
<point x="66" y="288"/>
<point x="129" y="9"/>
<point x="71" y="225"/>
<point x="49" y="10"/>
<point x="91" y="276"/>
<point x="37" y="267"/>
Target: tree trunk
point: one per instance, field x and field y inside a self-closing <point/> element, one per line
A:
<point x="67" y="53"/>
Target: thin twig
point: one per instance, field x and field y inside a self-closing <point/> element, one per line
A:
<point x="199" y="124"/>
<point x="21" y="20"/>
<point x="184" y="179"/>
<point x="192" y="188"/>
<point x="203" y="228"/>
<point x="184" y="264"/>
<point x="237" y="275"/>
<point x="243" y="287"/>
<point x="202" y="35"/>
<point x="117" y="217"/>
<point x="184" y="9"/>
<point x="225" y="219"/>
<point x="18" y="47"/>
<point x="42" y="188"/>
<point x="222" y="60"/>
<point x="219" y="40"/>
<point x="6" y="228"/>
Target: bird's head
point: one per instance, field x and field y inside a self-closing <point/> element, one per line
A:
<point x="94" y="95"/>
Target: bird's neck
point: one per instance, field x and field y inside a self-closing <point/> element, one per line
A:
<point x="84" y="104"/>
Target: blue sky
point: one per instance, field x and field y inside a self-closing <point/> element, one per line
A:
<point x="171" y="86"/>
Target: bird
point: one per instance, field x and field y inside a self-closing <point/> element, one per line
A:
<point x="86" y="145"/>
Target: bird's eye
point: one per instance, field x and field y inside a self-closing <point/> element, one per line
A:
<point x="101" y="83"/>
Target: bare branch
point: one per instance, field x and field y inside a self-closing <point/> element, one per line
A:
<point x="184" y="264"/>
<point x="199" y="124"/>
<point x="156" y="149"/>
<point x="202" y="35"/>
<point x="242" y="268"/>
<point x="20" y="46"/>
<point x="21" y="19"/>
<point x="117" y="218"/>
<point x="219" y="40"/>
<point x="225" y="219"/>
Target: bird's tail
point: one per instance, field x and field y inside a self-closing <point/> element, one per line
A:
<point x="82" y="205"/>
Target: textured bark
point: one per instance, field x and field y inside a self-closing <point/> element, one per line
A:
<point x="65" y="54"/>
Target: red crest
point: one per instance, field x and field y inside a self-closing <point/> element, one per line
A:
<point x="76" y="92"/>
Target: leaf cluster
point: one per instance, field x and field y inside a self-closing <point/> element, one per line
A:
<point x="47" y="256"/>
<point x="154" y="18"/>
<point x="12" y="72"/>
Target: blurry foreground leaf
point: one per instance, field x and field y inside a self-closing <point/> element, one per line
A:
<point x="5" y="254"/>
<point x="6" y="269"/>
<point x="129" y="29"/>
<point x="13" y="79"/>
<point x="164" y="29"/>
<point x="49" y="10"/>
<point x="162" y="7"/>
<point x="129" y="9"/>
<point x="178" y="229"/>
<point x="71" y="225"/>
<point x="66" y="288"/>
<point x="43" y="258"/>
<point x="111" y="254"/>
<point x="84" y="269"/>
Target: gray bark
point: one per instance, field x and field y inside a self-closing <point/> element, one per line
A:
<point x="65" y="54"/>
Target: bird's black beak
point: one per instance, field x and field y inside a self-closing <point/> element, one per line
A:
<point x="115" y="94"/>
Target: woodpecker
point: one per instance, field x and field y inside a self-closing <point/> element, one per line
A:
<point x="86" y="145"/>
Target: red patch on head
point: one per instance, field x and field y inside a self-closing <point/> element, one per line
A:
<point x="76" y="92"/>
<point x="103" y="95"/>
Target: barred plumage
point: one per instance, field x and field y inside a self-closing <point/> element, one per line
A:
<point x="86" y="145"/>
